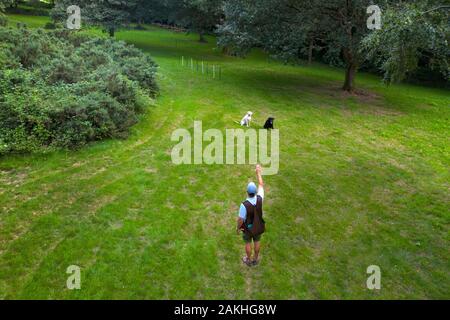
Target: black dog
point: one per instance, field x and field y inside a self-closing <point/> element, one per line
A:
<point x="269" y="123"/>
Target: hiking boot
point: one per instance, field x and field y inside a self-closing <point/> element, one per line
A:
<point x="255" y="262"/>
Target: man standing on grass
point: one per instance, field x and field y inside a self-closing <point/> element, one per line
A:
<point x="250" y="219"/>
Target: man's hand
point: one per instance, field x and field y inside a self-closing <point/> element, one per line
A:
<point x="240" y="222"/>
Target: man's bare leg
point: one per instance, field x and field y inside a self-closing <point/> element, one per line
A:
<point x="257" y="247"/>
<point x="248" y="250"/>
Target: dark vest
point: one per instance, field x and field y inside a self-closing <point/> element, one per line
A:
<point x="254" y="218"/>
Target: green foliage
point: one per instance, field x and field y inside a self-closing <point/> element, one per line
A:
<point x="3" y="20"/>
<point x="148" y="11"/>
<point x="200" y="16"/>
<point x="4" y="3"/>
<point x="35" y="8"/>
<point x="111" y="15"/>
<point x="413" y="35"/>
<point x="62" y="90"/>
<point x="288" y="28"/>
<point x="50" y="26"/>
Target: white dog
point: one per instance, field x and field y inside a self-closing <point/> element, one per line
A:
<point x="246" y="120"/>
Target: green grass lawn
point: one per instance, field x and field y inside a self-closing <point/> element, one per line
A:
<point x="363" y="180"/>
<point x="30" y="21"/>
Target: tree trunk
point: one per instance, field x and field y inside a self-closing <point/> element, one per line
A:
<point x="202" y="38"/>
<point x="350" y="70"/>
<point x="111" y="32"/>
<point x="350" y="73"/>
<point x="310" y="51"/>
<point x="226" y="50"/>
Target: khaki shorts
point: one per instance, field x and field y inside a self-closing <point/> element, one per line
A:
<point x="248" y="239"/>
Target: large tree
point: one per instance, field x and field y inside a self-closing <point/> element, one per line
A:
<point x="152" y="11"/>
<point x="201" y="16"/>
<point x="415" y="33"/>
<point x="110" y="14"/>
<point x="4" y="3"/>
<point x="286" y="27"/>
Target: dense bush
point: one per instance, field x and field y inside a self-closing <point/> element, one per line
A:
<point x="61" y="90"/>
<point x="50" y="26"/>
<point x="3" y="20"/>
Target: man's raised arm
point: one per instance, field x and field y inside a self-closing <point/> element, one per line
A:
<point x="259" y="176"/>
